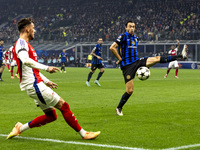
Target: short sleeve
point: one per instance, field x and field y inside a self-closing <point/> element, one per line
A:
<point x="119" y="39"/>
<point x="95" y="48"/>
<point x="21" y="46"/>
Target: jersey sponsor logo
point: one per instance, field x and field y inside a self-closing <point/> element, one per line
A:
<point x="133" y="42"/>
<point x="132" y="46"/>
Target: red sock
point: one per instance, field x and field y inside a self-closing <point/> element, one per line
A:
<point x="17" y="71"/>
<point x="11" y="72"/>
<point x="69" y="117"/>
<point x="176" y="72"/>
<point x="168" y="71"/>
<point x="8" y="67"/>
<point x="44" y="119"/>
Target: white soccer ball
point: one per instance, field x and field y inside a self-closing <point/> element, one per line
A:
<point x="143" y="73"/>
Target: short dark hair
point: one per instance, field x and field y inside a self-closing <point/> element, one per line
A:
<point x="130" y="21"/>
<point x="23" y="23"/>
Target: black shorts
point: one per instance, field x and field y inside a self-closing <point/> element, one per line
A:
<point x="1" y="63"/>
<point x="130" y="70"/>
<point x="63" y="63"/>
<point x="95" y="66"/>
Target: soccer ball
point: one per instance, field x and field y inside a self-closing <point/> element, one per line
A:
<point x="143" y="73"/>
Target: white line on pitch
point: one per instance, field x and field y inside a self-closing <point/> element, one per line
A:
<point x="99" y="145"/>
<point x="183" y="147"/>
<point x="76" y="143"/>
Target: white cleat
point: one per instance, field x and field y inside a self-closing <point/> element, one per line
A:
<point x="87" y="83"/>
<point x="97" y="82"/>
<point x="165" y="76"/>
<point x="119" y="111"/>
<point x="91" y="135"/>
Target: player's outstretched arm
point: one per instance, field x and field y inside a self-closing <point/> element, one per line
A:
<point x="52" y="69"/>
<point x="113" y="49"/>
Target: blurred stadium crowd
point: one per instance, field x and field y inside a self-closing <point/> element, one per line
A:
<point x="83" y="21"/>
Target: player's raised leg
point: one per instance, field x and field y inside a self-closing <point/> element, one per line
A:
<point x="165" y="59"/>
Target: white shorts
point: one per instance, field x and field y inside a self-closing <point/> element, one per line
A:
<point x="43" y="96"/>
<point x="173" y="63"/>
<point x="13" y="63"/>
<point x="7" y="61"/>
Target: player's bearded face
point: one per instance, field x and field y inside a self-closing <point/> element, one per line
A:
<point x="130" y="28"/>
<point x="31" y="32"/>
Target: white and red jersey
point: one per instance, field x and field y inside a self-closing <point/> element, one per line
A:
<point x="6" y="55"/>
<point x="173" y="52"/>
<point x="29" y="77"/>
<point x="11" y="50"/>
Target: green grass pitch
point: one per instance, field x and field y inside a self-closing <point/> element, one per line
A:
<point x="161" y="113"/>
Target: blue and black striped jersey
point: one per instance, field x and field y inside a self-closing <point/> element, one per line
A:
<point x="127" y="48"/>
<point x="98" y="51"/>
<point x="1" y="53"/>
<point x="63" y="57"/>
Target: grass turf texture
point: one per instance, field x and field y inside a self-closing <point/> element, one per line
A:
<point x="161" y="113"/>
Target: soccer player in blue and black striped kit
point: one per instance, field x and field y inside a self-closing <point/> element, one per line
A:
<point x="1" y="59"/>
<point x="125" y="50"/>
<point x="96" y="62"/>
<point x="64" y="60"/>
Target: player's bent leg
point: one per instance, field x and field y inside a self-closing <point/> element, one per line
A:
<point x="72" y="121"/>
<point x="50" y="116"/>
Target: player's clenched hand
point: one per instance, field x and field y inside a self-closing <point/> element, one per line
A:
<point x="52" y="85"/>
<point x="118" y="62"/>
<point x="53" y="69"/>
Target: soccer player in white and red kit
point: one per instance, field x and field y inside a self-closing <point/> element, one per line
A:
<point x="39" y="87"/>
<point x="6" y="55"/>
<point x="173" y="52"/>
<point x="12" y="61"/>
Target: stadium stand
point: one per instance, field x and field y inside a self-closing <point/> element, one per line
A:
<point x="83" y="21"/>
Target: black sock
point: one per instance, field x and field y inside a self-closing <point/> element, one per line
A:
<point x="99" y="75"/>
<point x="89" y="76"/>
<point x="166" y="59"/>
<point x="0" y="75"/>
<point x="61" y="68"/>
<point x="64" y="68"/>
<point x="123" y="100"/>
